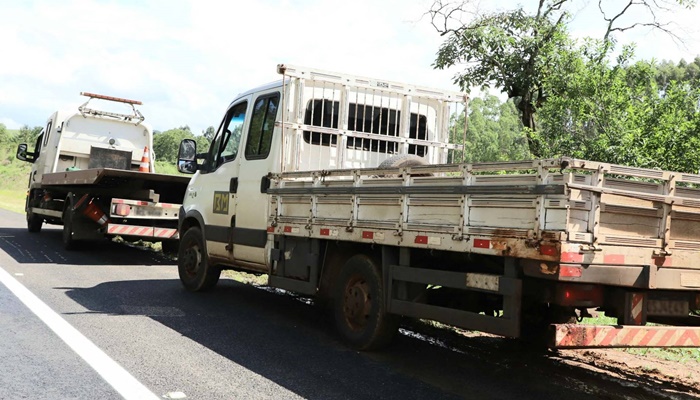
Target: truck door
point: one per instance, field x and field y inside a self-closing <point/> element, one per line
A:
<point x="259" y="158"/>
<point x="218" y="180"/>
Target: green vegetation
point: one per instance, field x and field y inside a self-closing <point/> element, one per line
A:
<point x="12" y="200"/>
<point x="586" y="98"/>
<point x="166" y="144"/>
<point x="14" y="173"/>
<point x="494" y="132"/>
<point x="243" y="277"/>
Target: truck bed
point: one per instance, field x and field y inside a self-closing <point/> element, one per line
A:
<point x="572" y="219"/>
<point x="171" y="188"/>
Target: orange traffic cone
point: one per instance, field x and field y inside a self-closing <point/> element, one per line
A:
<point x="145" y="161"/>
<point x="93" y="212"/>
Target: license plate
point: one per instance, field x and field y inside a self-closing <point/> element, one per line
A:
<point x="674" y="308"/>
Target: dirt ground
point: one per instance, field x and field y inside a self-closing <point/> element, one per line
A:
<point x="659" y="376"/>
<point x="603" y="373"/>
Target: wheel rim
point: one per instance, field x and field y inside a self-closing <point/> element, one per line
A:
<point x="357" y="303"/>
<point x="192" y="260"/>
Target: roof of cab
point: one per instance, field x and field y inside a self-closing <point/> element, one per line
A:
<point x="262" y="88"/>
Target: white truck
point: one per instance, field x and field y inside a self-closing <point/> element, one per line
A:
<point x="92" y="173"/>
<point x="340" y="187"/>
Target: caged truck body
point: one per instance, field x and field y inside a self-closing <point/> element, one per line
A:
<point x="341" y="188"/>
<point x="92" y="173"/>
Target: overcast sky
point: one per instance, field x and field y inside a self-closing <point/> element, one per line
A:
<point x="186" y="60"/>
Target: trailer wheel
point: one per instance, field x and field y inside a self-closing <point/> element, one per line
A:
<point x="196" y="273"/>
<point x="34" y="222"/>
<point x="359" y="307"/>
<point x="68" y="242"/>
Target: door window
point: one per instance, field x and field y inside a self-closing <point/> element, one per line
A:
<point x="224" y="147"/>
<point x="262" y="125"/>
<point x="47" y="132"/>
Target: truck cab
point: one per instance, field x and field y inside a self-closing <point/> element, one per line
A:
<point x="89" y="138"/>
<point x="309" y="120"/>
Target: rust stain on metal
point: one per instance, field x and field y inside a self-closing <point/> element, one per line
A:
<point x="549" y="269"/>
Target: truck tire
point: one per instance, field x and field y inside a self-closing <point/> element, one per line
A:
<point x="34" y="222"/>
<point x="196" y="273"/>
<point x="359" y="306"/>
<point x="403" y="160"/>
<point x="68" y="242"/>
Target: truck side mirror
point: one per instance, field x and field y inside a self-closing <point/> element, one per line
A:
<point x="187" y="157"/>
<point x="23" y="154"/>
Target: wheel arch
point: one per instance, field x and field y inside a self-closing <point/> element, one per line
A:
<point x="192" y="218"/>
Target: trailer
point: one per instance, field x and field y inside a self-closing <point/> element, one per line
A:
<point x="342" y="188"/>
<point x="92" y="173"/>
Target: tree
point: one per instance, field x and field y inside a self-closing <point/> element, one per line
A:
<point x="202" y="143"/>
<point x="494" y="132"/>
<point x="513" y="50"/>
<point x="27" y="135"/>
<point x="209" y="133"/>
<point x="619" y="113"/>
<point x="4" y="136"/>
<point x="166" y="144"/>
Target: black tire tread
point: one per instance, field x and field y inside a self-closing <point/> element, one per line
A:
<point x="383" y="326"/>
<point x="208" y="275"/>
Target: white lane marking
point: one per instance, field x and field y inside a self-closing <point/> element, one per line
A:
<point x="19" y="274"/>
<point x="127" y="386"/>
<point x="175" y="395"/>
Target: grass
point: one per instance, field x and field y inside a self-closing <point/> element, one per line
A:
<point x="251" y="279"/>
<point x="13" y="179"/>
<point x="167" y="168"/>
<point x="13" y="200"/>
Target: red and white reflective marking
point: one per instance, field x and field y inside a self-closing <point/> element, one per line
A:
<point x="328" y="232"/>
<point x="614" y="259"/>
<point x="132" y="230"/>
<point x="291" y="229"/>
<point x="637" y="307"/>
<point x="430" y="240"/>
<point x="548" y="250"/>
<point x="165" y="233"/>
<point x="571" y="257"/>
<point x="582" y="336"/>
<point x="372" y="235"/>
<point x="144" y="203"/>
<point x="482" y="243"/>
<point x="568" y="271"/>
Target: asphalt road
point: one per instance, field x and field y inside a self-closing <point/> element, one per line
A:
<point x="237" y="342"/>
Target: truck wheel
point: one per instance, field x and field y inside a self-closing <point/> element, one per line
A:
<point x="34" y="222"/>
<point x="403" y="160"/>
<point x="68" y="242"/>
<point x="196" y="274"/>
<point x="359" y="307"/>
